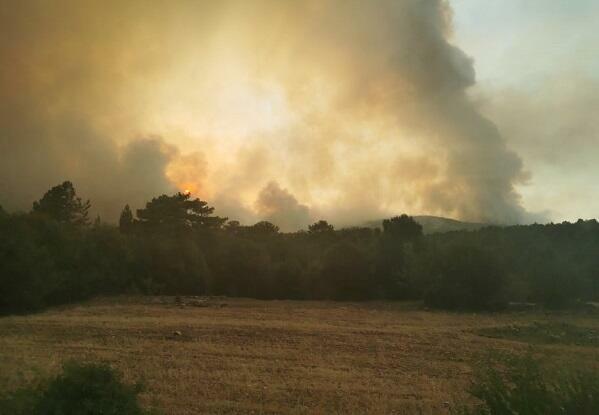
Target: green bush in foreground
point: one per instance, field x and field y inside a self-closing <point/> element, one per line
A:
<point x="82" y="389"/>
<point x="523" y="388"/>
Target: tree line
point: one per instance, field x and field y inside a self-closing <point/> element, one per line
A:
<point x="177" y="245"/>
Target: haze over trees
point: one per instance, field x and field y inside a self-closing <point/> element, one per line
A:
<point x="178" y="245"/>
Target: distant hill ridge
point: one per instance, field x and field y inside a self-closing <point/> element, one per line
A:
<point x="437" y="224"/>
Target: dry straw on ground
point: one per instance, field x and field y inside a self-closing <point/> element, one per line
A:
<point x="272" y="357"/>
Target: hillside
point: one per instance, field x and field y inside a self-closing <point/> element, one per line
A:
<point x="437" y="224"/>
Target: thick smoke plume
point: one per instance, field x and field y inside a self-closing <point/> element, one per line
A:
<point x="281" y="207"/>
<point x="270" y="109"/>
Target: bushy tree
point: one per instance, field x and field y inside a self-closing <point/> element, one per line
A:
<point x="175" y="266"/>
<point x="108" y="263"/>
<point x="288" y="280"/>
<point x="262" y="229"/>
<point x="467" y="278"/>
<point x="345" y="273"/>
<point x="62" y="204"/>
<point x="242" y="269"/>
<point x="232" y="226"/>
<point x="321" y="227"/>
<point x="402" y="229"/>
<point x="395" y="252"/>
<point x="126" y="221"/>
<point x="27" y="268"/>
<point x="178" y="213"/>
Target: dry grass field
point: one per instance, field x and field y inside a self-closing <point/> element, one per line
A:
<point x="277" y="357"/>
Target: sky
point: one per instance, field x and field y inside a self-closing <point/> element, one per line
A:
<point x="537" y="65"/>
<point x="297" y="111"/>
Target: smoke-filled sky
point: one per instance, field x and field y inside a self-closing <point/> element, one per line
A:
<point x="292" y="111"/>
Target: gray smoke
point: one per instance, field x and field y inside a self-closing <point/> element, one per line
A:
<point x="358" y="109"/>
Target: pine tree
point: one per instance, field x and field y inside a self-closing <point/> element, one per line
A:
<point x="126" y="220"/>
<point x="62" y="204"/>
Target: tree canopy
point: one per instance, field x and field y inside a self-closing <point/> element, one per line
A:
<point x="320" y="227"/>
<point x="178" y="212"/>
<point x="62" y="204"/>
<point x="178" y="246"/>
<point x="402" y="228"/>
<point x="126" y="220"/>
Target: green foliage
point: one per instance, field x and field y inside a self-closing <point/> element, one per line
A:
<point x="557" y="280"/>
<point x="402" y="229"/>
<point x="232" y="226"/>
<point x="520" y="386"/>
<point x="321" y="227"/>
<point x="178" y="213"/>
<point x="26" y="267"/>
<point x="401" y="236"/>
<point x="260" y="230"/>
<point x="178" y="246"/>
<point x="289" y="281"/>
<point x="174" y="266"/>
<point x="81" y="389"/>
<point x="62" y="204"/>
<point x="126" y="221"/>
<point x="467" y="278"/>
<point x="243" y="269"/>
<point x="345" y="273"/>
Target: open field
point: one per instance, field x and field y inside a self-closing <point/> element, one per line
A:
<point x="266" y="357"/>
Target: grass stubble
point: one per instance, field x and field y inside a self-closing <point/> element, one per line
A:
<point x="278" y="357"/>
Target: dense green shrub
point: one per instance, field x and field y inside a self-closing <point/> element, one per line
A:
<point x="345" y="273"/>
<point x="520" y="386"/>
<point x="467" y="278"/>
<point x="81" y="389"/>
<point x="26" y="267"/>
